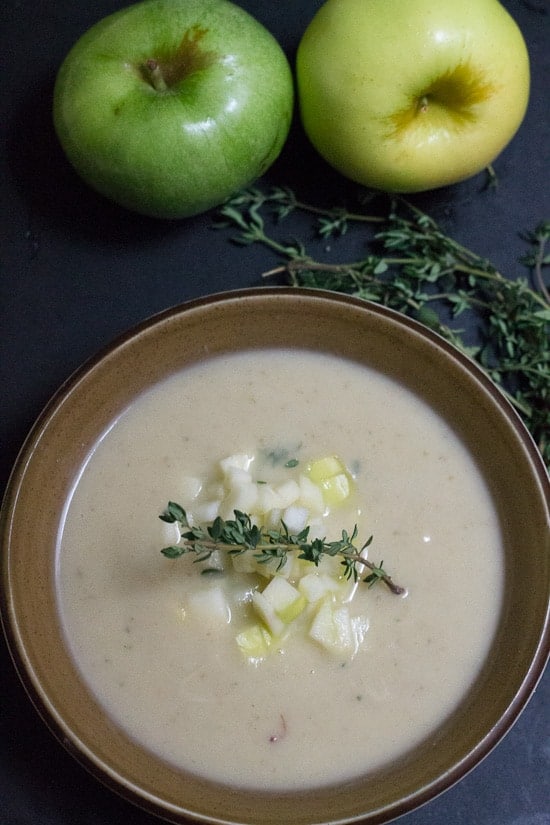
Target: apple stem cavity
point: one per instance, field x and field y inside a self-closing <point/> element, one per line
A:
<point x="168" y="70"/>
<point x="423" y="104"/>
<point x="153" y="75"/>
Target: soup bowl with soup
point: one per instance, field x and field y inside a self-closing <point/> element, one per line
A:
<point x="292" y="565"/>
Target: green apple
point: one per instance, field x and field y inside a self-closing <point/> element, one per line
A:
<point x="410" y="95"/>
<point x="169" y="106"/>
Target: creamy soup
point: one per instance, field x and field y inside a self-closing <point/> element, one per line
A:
<point x="300" y="717"/>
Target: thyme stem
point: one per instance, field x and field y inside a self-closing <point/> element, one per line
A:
<point x="329" y="213"/>
<point x="413" y="267"/>
<point x="240" y="535"/>
<point x="350" y="553"/>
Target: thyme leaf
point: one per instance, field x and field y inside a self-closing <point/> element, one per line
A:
<point x="240" y="535"/>
<point x="414" y="267"/>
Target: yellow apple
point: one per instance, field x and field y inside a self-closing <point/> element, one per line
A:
<point x="409" y="95"/>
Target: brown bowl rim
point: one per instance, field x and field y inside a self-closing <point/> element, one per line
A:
<point x="20" y="658"/>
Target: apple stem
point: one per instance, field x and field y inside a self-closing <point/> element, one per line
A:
<point x="154" y="75"/>
<point x="423" y="104"/>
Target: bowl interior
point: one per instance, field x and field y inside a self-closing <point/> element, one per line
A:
<point x="69" y="427"/>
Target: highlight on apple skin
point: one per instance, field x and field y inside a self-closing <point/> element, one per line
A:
<point x="411" y="95"/>
<point x="168" y="107"/>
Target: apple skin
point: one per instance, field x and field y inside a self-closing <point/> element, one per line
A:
<point x="411" y="95"/>
<point x="173" y="152"/>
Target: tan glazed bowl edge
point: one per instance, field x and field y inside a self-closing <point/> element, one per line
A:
<point x="62" y="438"/>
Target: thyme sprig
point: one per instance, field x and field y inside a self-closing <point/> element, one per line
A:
<point x="412" y="266"/>
<point x="240" y="535"/>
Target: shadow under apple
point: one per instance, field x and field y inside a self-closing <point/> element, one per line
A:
<point x="57" y="199"/>
<point x="55" y="195"/>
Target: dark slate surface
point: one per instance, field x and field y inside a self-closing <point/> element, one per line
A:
<point x="77" y="271"/>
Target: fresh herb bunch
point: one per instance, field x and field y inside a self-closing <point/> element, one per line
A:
<point x="240" y="535"/>
<point x="415" y="268"/>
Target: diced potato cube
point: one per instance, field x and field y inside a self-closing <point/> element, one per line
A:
<point x="295" y="518"/>
<point x="272" y="519"/>
<point x="271" y="568"/>
<point x="324" y="468"/>
<point x="204" y="512"/>
<point x="235" y="478"/>
<point x="210" y="606"/>
<point x="317" y="530"/>
<point x="241" y="498"/>
<point x="316" y="586"/>
<point x="336" y="489"/>
<point x="331" y="566"/>
<point x="247" y="563"/>
<point x="244" y="562"/>
<point x="288" y="492"/>
<point x="285" y="599"/>
<point x="254" y="642"/>
<point x="240" y="461"/>
<point x="268" y="499"/>
<point x="213" y="491"/>
<point x="332" y="629"/>
<point x="300" y="567"/>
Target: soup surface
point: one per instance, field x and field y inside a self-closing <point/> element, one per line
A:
<point x="301" y="717"/>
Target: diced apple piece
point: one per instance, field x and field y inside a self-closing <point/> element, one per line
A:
<point x="336" y="489"/>
<point x="210" y="606"/>
<point x="330" y="475"/>
<point x="323" y="468"/>
<point x="267" y="613"/>
<point x="285" y="599"/>
<point x="295" y="518"/>
<point x="332" y="567"/>
<point x="254" y="642"/>
<point x="316" y="586"/>
<point x="332" y="629"/>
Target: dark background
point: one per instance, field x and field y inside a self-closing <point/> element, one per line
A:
<point x="77" y="271"/>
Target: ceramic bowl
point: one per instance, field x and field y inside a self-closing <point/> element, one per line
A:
<point x="62" y="438"/>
